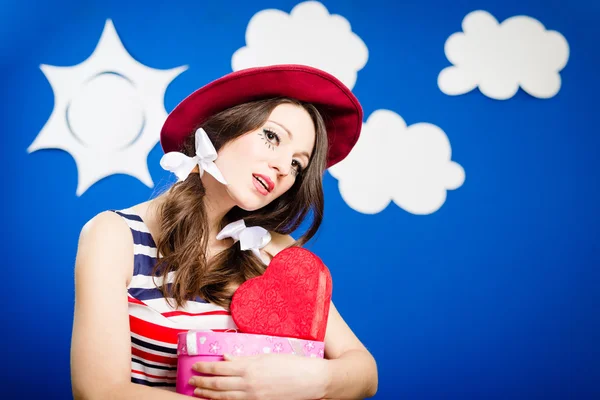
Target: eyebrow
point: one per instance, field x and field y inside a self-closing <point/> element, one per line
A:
<point x="304" y="153"/>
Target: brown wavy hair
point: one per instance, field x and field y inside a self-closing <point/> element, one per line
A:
<point x="183" y="239"/>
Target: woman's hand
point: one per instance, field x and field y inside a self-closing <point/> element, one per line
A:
<point x="262" y="377"/>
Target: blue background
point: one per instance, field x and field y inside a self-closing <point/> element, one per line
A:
<point x="493" y="296"/>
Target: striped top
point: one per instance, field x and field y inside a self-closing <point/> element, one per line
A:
<point x="154" y="324"/>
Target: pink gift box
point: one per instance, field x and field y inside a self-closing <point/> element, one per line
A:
<point x="194" y="346"/>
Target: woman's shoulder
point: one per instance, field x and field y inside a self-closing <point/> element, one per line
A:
<point x="106" y="245"/>
<point x="113" y="222"/>
<point x="105" y="226"/>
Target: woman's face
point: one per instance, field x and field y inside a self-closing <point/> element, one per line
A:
<point x="262" y="164"/>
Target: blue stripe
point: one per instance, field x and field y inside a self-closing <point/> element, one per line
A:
<point x="152" y="346"/>
<point x="151" y="294"/>
<point x="150" y="365"/>
<point x="144" y="238"/>
<point x="143" y="382"/>
<point x="130" y="216"/>
<point x="199" y="299"/>
<point x="146" y="294"/>
<point x="143" y="265"/>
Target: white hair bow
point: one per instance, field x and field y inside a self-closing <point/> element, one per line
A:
<point x="182" y="165"/>
<point x="251" y="238"/>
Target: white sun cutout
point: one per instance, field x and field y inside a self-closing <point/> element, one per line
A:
<point x="108" y="112"/>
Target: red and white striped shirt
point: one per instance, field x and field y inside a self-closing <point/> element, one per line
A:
<point x="154" y="324"/>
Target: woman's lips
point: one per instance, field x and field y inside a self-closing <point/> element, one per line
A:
<point x="266" y="181"/>
<point x="259" y="186"/>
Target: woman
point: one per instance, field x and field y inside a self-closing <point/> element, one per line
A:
<point x="249" y="149"/>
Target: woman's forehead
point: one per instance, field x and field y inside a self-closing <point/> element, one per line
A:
<point x="297" y="122"/>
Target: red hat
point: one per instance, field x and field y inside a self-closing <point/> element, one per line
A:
<point x="336" y="103"/>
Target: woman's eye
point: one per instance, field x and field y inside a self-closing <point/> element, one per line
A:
<point x="271" y="136"/>
<point x="297" y="167"/>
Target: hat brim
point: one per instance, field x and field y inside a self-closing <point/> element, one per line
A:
<point x="340" y="109"/>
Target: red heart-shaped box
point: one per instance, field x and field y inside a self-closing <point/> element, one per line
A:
<point x="291" y="299"/>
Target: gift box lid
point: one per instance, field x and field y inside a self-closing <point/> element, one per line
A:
<point x="200" y="342"/>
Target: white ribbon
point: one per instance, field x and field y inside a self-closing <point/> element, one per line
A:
<point x="191" y="342"/>
<point x="251" y="238"/>
<point x="182" y="165"/>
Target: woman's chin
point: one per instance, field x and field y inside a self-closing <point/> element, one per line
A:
<point x="249" y="205"/>
<point x="249" y="202"/>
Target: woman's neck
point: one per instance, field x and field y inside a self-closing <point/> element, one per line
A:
<point x="217" y="203"/>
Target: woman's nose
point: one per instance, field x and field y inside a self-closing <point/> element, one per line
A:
<point x="282" y="165"/>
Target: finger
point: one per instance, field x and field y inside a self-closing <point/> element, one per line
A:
<point x="228" y="368"/>
<point x="220" y="383"/>
<point x="217" y="395"/>
<point x="229" y="357"/>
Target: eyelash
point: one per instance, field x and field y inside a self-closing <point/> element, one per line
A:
<point x="269" y="142"/>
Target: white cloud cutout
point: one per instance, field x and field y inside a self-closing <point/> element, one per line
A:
<point x="410" y="166"/>
<point x="308" y="35"/>
<point x="498" y="58"/>
<point x="108" y="112"/>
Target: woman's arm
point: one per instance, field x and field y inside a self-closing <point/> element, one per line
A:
<point x="351" y="369"/>
<point x="101" y="342"/>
